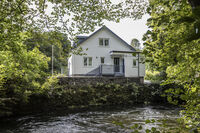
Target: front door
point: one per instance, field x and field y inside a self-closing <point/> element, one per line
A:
<point x="116" y="65"/>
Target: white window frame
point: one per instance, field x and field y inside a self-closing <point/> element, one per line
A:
<point x="104" y="42"/>
<point x="87" y="63"/>
<point x="106" y="39"/>
<point x="100" y="43"/>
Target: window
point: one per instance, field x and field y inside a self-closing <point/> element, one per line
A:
<point x="103" y="42"/>
<point x="90" y="61"/>
<point x="134" y="63"/>
<point x="106" y="42"/>
<point x="87" y="61"/>
<point x="102" y="60"/>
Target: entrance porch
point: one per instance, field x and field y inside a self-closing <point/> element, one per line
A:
<point x="112" y="70"/>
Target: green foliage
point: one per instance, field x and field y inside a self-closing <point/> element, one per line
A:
<point x="172" y="45"/>
<point x="22" y="71"/>
<point x="159" y="126"/>
<point x="154" y="76"/>
<point x="55" y="96"/>
<point x="23" y="67"/>
<point x="65" y="16"/>
<point x="136" y="44"/>
<point x="50" y="83"/>
<point x="47" y="41"/>
<point x="100" y="94"/>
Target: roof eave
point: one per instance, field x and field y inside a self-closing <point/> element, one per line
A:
<point x="104" y="27"/>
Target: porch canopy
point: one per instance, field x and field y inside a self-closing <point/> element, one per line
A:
<point x="121" y="53"/>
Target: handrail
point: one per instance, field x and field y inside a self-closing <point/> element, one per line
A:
<point x="111" y="69"/>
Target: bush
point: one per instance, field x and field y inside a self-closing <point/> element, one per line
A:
<point x="153" y="75"/>
<point x="60" y="97"/>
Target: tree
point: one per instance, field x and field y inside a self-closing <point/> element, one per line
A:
<point x="23" y="70"/>
<point x="45" y="41"/>
<point x="136" y="44"/>
<point x="172" y="45"/>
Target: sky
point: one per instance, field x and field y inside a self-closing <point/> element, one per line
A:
<point x="128" y="29"/>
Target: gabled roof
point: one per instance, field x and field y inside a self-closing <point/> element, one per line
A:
<point x="104" y="27"/>
<point x="81" y="38"/>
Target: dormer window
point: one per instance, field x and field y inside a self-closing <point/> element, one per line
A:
<point x="104" y="42"/>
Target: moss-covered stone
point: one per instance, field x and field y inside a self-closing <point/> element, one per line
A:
<point x="68" y="97"/>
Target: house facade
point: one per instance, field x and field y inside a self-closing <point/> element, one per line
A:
<point x="106" y="54"/>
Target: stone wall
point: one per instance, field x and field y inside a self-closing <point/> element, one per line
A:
<point x="94" y="80"/>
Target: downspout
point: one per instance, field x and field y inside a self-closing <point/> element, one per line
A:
<point x="123" y="70"/>
<point x="73" y="65"/>
<point x="138" y="65"/>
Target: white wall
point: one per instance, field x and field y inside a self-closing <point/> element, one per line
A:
<point x="130" y="70"/>
<point x="96" y="52"/>
<point x="142" y="70"/>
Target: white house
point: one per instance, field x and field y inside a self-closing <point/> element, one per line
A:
<point x="106" y="54"/>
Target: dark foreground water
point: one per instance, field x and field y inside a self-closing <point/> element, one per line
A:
<point x="92" y="121"/>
